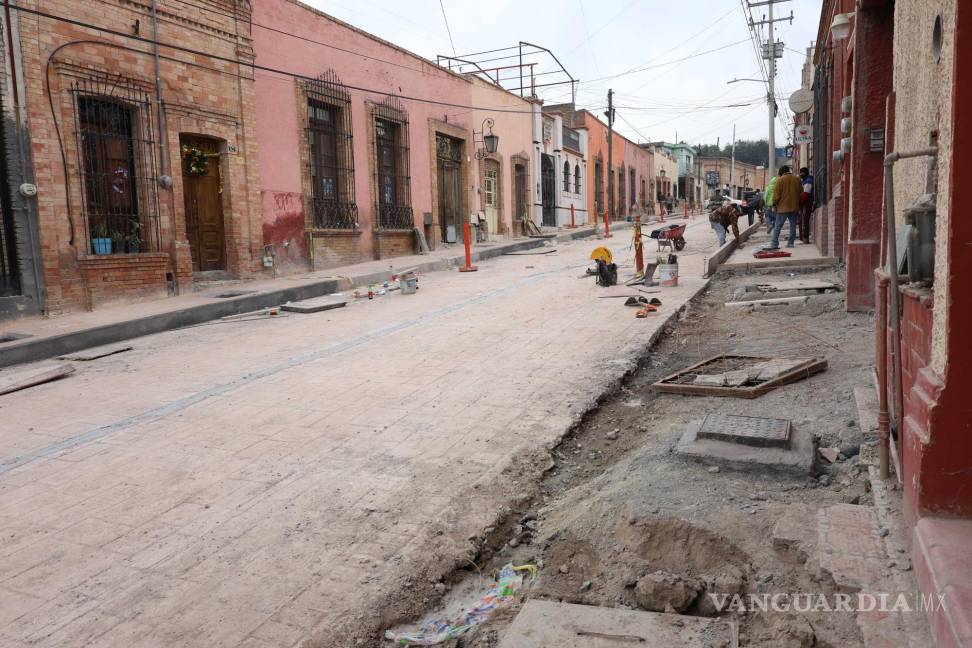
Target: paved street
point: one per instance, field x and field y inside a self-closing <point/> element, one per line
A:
<point x="254" y="483"/>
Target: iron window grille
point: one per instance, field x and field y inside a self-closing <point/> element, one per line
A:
<point x="577" y="179"/>
<point x="392" y="177"/>
<point x="622" y="203"/>
<point x="598" y="185"/>
<point x="331" y="158"/>
<point x="632" y="179"/>
<point x="821" y="134"/>
<point x="566" y="177"/>
<point x="116" y="163"/>
<point x="9" y="262"/>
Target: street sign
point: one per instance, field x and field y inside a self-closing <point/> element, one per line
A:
<point x="802" y="134"/>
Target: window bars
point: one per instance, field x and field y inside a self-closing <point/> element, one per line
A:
<point x="622" y="203"/>
<point x="598" y="185"/>
<point x="331" y="154"/>
<point x="392" y="179"/>
<point x="566" y="177"/>
<point x="821" y="132"/>
<point x="116" y="163"/>
<point x="577" y="179"/>
<point x="9" y="263"/>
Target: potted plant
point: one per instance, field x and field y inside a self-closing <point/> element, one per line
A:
<point x="101" y="241"/>
<point x="133" y="240"/>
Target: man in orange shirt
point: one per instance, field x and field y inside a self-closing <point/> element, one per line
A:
<point x="786" y="196"/>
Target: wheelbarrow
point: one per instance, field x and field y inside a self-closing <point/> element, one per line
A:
<point x="670" y="236"/>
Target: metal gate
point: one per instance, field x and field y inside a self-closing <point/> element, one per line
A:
<point x="548" y="185"/>
<point x="9" y="265"/>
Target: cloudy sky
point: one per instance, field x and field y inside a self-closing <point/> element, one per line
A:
<point x="659" y="94"/>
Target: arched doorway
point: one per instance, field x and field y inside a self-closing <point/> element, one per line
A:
<point x="548" y="186"/>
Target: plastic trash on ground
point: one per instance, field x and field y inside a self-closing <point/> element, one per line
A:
<point x="499" y="595"/>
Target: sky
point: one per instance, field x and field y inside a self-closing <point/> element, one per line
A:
<point x="660" y="97"/>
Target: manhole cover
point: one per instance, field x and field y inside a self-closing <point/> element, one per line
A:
<point x="748" y="430"/>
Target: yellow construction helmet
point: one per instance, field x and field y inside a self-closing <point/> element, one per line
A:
<point x="602" y="253"/>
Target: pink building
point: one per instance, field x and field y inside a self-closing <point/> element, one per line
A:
<point x="349" y="164"/>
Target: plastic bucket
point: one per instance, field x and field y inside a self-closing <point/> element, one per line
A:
<point x="668" y="274"/>
<point x="408" y="283"/>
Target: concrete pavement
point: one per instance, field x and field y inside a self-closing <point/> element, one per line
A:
<point x="256" y="483"/>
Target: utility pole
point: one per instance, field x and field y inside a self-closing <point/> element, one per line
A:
<point x="610" y="117"/>
<point x="771" y="51"/>
<point x="732" y="160"/>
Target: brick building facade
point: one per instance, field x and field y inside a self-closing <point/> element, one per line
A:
<point x="139" y="187"/>
<point x="899" y="83"/>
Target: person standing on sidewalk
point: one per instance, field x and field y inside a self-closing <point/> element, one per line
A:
<point x="770" y="209"/>
<point x="786" y="195"/>
<point x="806" y="204"/>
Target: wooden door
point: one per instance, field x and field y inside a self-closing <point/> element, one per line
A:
<point x="548" y="186"/>
<point x="202" y="191"/>
<point x="520" y="191"/>
<point x="491" y="190"/>
<point x="450" y="198"/>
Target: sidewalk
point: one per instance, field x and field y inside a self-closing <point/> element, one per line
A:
<point x="803" y="255"/>
<point x="40" y="338"/>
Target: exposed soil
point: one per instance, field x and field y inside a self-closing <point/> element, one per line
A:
<point x="623" y="521"/>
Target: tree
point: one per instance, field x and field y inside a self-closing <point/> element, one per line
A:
<point x="751" y="151"/>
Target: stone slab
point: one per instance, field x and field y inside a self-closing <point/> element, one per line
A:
<point x="795" y="461"/>
<point x="796" y="284"/>
<point x="544" y="624"/>
<point x="755" y="431"/>
<point x="314" y="305"/>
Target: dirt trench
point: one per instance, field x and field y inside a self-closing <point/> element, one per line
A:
<point x="621" y="521"/>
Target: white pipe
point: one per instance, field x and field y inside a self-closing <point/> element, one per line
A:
<point x="896" y="396"/>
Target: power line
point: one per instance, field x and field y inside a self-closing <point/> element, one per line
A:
<point x="252" y="66"/>
<point x="448" y="31"/>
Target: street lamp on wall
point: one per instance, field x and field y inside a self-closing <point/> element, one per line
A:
<point x="490" y="142"/>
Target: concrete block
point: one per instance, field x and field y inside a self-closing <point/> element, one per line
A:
<point x="544" y="624"/>
<point x="795" y="460"/>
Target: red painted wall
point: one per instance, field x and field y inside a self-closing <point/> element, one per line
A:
<point x="873" y="79"/>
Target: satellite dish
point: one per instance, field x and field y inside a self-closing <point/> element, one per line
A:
<point x="801" y="101"/>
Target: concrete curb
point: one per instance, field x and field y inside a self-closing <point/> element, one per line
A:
<point x="723" y="253"/>
<point x="30" y="350"/>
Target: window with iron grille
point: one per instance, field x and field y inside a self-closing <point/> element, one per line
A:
<point x="622" y="205"/>
<point x="116" y="163"/>
<point x="577" y="184"/>
<point x="567" y="177"/>
<point x="392" y="178"/>
<point x="598" y="185"/>
<point x="821" y="132"/>
<point x="331" y="154"/>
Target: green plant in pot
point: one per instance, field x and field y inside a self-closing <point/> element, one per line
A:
<point x="101" y="240"/>
<point x="133" y="240"/>
<point x="118" y="238"/>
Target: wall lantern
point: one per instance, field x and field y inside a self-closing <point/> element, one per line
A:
<point x="662" y="173"/>
<point x="490" y="141"/>
<point x="840" y="28"/>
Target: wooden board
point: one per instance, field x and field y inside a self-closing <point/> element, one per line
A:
<point x="680" y="382"/>
<point x="420" y="237"/>
<point x="314" y="305"/>
<point x="94" y="354"/>
<point x="24" y="379"/>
